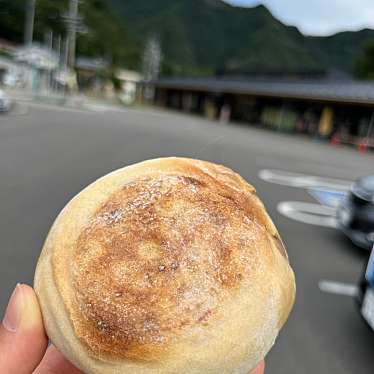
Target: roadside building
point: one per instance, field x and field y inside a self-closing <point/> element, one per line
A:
<point x="6" y="66"/>
<point x="90" y="75"/>
<point x="129" y="85"/>
<point x="327" y="109"/>
<point x="36" y="65"/>
<point x="97" y="77"/>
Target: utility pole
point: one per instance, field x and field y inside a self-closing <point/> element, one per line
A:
<point x="74" y="24"/>
<point x="73" y="20"/>
<point x="65" y="60"/>
<point x="29" y="22"/>
<point x="49" y="44"/>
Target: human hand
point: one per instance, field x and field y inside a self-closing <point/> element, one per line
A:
<point x="260" y="369"/>
<point x="23" y="341"/>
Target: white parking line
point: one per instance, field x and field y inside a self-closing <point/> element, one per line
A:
<point x="312" y="214"/>
<point x="264" y="162"/>
<point x="337" y="288"/>
<point x="291" y="179"/>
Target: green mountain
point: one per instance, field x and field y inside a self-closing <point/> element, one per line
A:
<point x="197" y="37"/>
<point x="340" y="51"/>
<point x="209" y="36"/>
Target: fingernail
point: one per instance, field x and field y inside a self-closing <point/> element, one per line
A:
<point x="14" y="309"/>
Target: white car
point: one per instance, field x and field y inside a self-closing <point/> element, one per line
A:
<point x="5" y="102"/>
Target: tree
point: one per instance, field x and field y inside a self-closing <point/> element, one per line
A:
<point x="107" y="36"/>
<point x="12" y="19"/>
<point x="364" y="66"/>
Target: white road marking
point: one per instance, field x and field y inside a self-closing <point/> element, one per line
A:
<point x="312" y="214"/>
<point x="264" y="162"/>
<point x="337" y="288"/>
<point x="291" y="179"/>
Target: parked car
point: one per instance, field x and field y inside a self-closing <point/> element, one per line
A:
<point x="5" y="102"/>
<point x="355" y="214"/>
<point x="365" y="295"/>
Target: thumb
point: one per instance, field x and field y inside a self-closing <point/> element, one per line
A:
<point x="260" y="369"/>
<point x="22" y="338"/>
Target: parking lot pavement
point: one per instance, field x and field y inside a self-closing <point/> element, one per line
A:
<point x="49" y="154"/>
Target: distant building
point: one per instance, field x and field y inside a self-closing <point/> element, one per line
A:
<point x="92" y="65"/>
<point x="33" y="66"/>
<point x="339" y="109"/>
<point x="130" y="83"/>
<point x="90" y="74"/>
<point x="6" y="66"/>
<point x="93" y="77"/>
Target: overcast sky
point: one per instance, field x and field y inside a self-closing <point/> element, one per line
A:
<point x="320" y="17"/>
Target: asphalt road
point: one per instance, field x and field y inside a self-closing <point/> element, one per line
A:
<point x="47" y="155"/>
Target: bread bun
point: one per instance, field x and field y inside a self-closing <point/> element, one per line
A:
<point x="167" y="266"/>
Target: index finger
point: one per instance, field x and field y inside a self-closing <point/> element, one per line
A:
<point x="55" y="363"/>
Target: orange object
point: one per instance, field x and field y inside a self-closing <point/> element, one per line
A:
<point x="363" y="146"/>
<point x="335" y="140"/>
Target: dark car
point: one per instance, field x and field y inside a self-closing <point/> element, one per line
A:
<point x="355" y="213"/>
<point x="365" y="296"/>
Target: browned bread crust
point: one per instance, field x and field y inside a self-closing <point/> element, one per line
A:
<point x="148" y="266"/>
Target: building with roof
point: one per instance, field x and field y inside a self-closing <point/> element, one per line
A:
<point x="339" y="109"/>
<point x="129" y="82"/>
